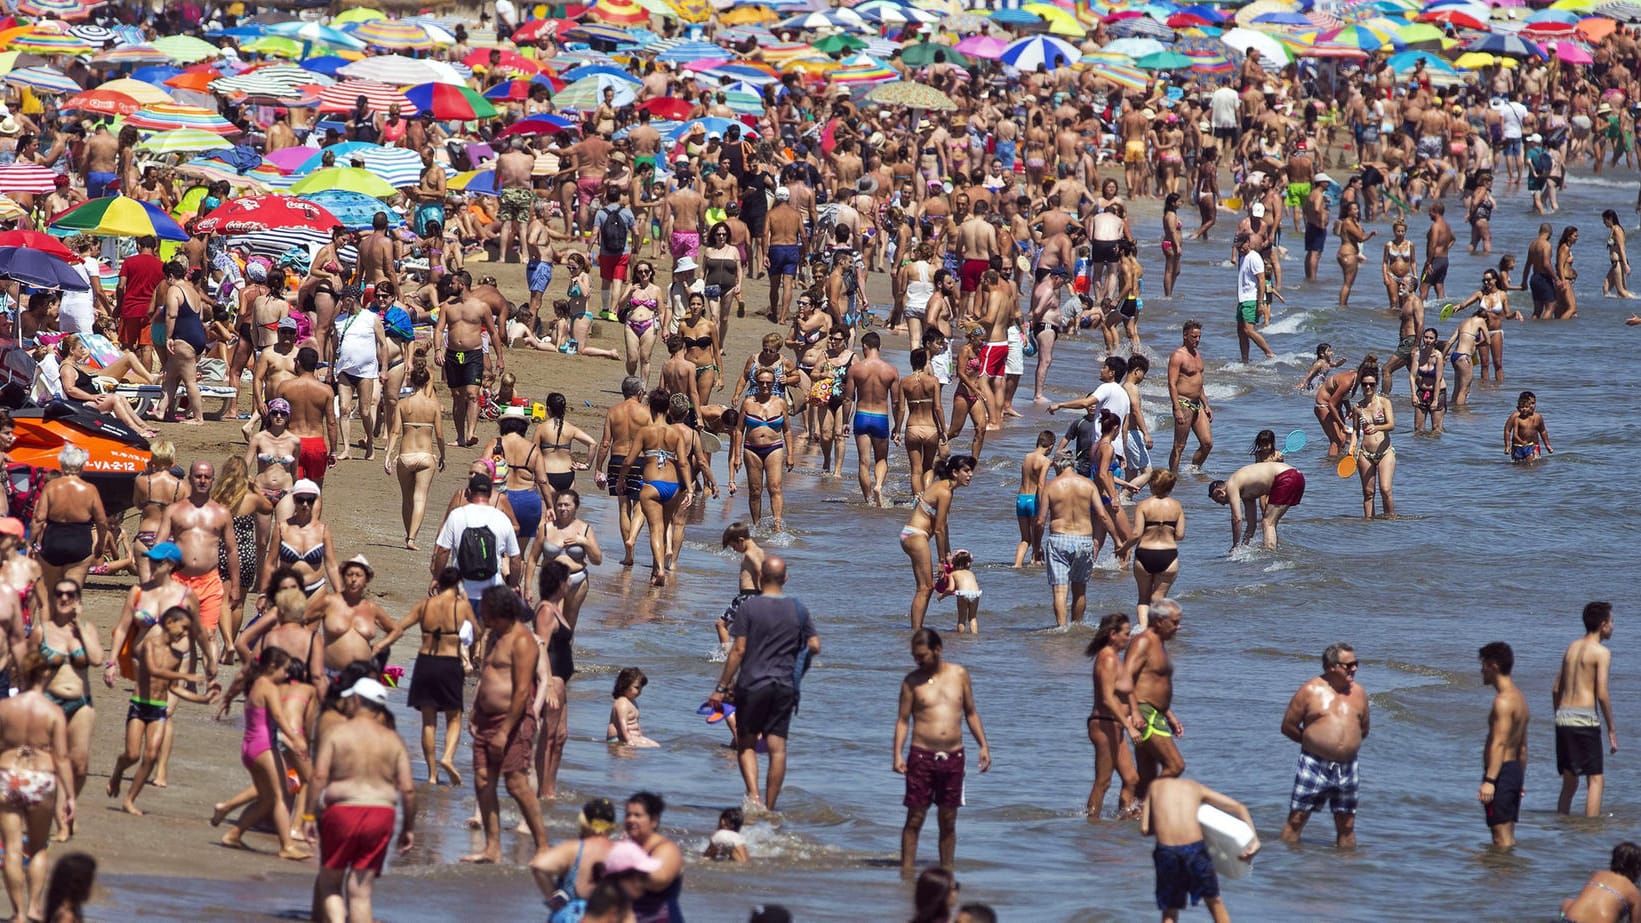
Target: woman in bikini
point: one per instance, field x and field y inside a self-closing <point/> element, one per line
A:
<point x="921" y="425"/>
<point x="761" y="443"/>
<point x="1461" y="349"/>
<point x="146" y="601"/>
<point x="1351" y="237"/>
<point x="568" y="540"/>
<point x="1375" y="456"/>
<point x="1566" y="300"/>
<point x="1173" y="243"/>
<point x="415" y="448"/>
<point x="264" y="714"/>
<point x="580" y="286"/>
<point x="80" y="385"/>
<point x="1107" y="464"/>
<point x="642" y="319"/>
<point x="1609" y="894"/>
<point x="1109" y="728"/>
<point x="557" y="440"/>
<point x="701" y="347"/>
<point x="668" y="476"/>
<point x="438" y="675"/>
<point x="518" y="470"/>
<point x="1495" y="304"/>
<point x="69" y="523"/>
<point x="34" y="769"/>
<point x="285" y="630"/>
<point x="969" y="400"/>
<point x="153" y="491"/>
<point x="1618" y="258"/>
<point x="69" y="644"/>
<point x="1427" y="382"/>
<point x="1159" y="527"/>
<point x="246" y="506"/>
<point x="1207" y="192"/>
<point x="1396" y="266"/>
<point x="272" y="452"/>
<point x="929" y="523"/>
<point x="826" y="394"/>
<point x="304" y="544"/>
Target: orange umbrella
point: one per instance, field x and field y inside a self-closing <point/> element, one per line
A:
<point x="1596" y="28"/>
<point x="194" y="80"/>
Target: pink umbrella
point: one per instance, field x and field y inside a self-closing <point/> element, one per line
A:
<point x="1572" y="53"/>
<point x="982" y="46"/>
<point x="289" y="158"/>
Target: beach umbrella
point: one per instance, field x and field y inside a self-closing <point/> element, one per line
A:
<point x="1420" y="33"/>
<point x="43" y="79"/>
<point x="39" y="269"/>
<point x="165" y="116"/>
<point x="1141" y="27"/>
<point x="265" y="213"/>
<point x="588" y="93"/>
<point x="1596" y="28"/>
<point x="684" y="51"/>
<point x="1243" y="40"/>
<point x="27" y="177"/>
<point x="921" y="54"/>
<point x="910" y="95"/>
<point x="379" y="97"/>
<point x="538" y="125"/>
<point x="145" y="93"/>
<point x="1128" y="78"/>
<point x="49" y="43"/>
<point x="667" y="107"/>
<point x="96" y="36"/>
<point x="276" y="46"/>
<point x="393" y="34"/>
<point x="1035" y="51"/>
<point x="891" y="12"/>
<point x="600" y="32"/>
<point x="1476" y="60"/>
<point x="10" y="210"/>
<point x="506" y="59"/>
<point x="325" y="65"/>
<point x="1620" y="10"/>
<point x="346" y="179"/>
<point x="267" y="83"/>
<point x="66" y="10"/>
<point x="316" y="33"/>
<point x="448" y="102"/>
<point x="102" y="102"/>
<point x="13" y="60"/>
<point x="862" y="69"/>
<point x="516" y="91"/>
<point x="182" y="141"/>
<point x="37" y="240"/>
<point x="192" y="80"/>
<point x="711" y="124"/>
<point x="399" y="70"/>
<point x="1135" y="48"/>
<point x="839" y="43"/>
<point x="1464" y="18"/>
<point x="185" y="48"/>
<point x="827" y="19"/>
<point x="154" y="75"/>
<point x="750" y="14"/>
<point x="357" y="14"/>
<point x="983" y="46"/>
<point x="1014" y="17"/>
<point x="1165" y="61"/>
<point x="1404" y="61"/>
<point x="600" y="70"/>
<point x="617" y="12"/>
<point x="353" y="209"/>
<point x="1572" y="53"/>
<point x="1060" y="21"/>
<point x="482" y="182"/>
<point x="119" y="216"/>
<point x="1361" y="36"/>
<point x="1506" y="45"/>
<point x="128" y="54"/>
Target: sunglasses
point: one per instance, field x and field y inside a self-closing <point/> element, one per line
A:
<point x="67" y="594"/>
<point x="1350" y="665"/>
<point x="303" y="501"/>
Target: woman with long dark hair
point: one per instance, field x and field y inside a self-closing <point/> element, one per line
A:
<point x="928" y="525"/>
<point x="1109" y="727"/>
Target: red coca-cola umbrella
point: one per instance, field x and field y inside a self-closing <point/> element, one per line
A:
<point x="266" y="213"/>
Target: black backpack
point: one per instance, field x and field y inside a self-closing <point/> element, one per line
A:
<point x="476" y="553"/>
<point x="612" y="234"/>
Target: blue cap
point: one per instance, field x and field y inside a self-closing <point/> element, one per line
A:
<point x="165" y="551"/>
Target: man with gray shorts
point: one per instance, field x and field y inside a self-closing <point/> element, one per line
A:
<point x="1065" y="516"/>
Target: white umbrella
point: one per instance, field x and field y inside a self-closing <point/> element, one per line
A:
<point x="1135" y="48"/>
<point x="1046" y="51"/>
<point x="1268" y="47"/>
<point x="402" y="71"/>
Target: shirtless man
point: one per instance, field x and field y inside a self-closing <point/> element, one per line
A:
<point x="1189" y="402"/>
<point x="977" y="245"/>
<point x="682" y="213"/>
<point x="274" y="366"/>
<point x="1409" y="330"/>
<point x="738" y="538"/>
<point x="1151" y="671"/>
<point x="1002" y="306"/>
<point x="101" y="160"/>
<point x="198" y="525"/>
<point x="1301" y="171"/>
<point x="361" y="771"/>
<point x="466" y="326"/>
<point x="1184" y="869"/>
<point x="1328" y="718"/>
<point x="621" y="426"/>
<point x="379" y="253"/>
<point x="1543" y="282"/>
<point x="1437" y="241"/>
<point x="1065" y="517"/>
<point x="1315" y="212"/>
<point x="873" y="386"/>
<point x="514" y="179"/>
<point x="349" y="620"/>
<point x="505" y="706"/>
<point x="1504" y="755"/>
<point x="936" y="699"/>
<point x="158" y="663"/>
<point x="1580" y="688"/>
<point x="1281" y="486"/>
<point x="645" y="141"/>
<point x="312" y="419"/>
<point x="1133" y="128"/>
<point x="783" y="245"/>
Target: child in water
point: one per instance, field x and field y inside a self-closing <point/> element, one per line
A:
<point x="1524" y="430"/>
<point x="727" y="843"/>
<point x="623" y="727"/>
<point x="1325" y="363"/>
<point x="962" y="583"/>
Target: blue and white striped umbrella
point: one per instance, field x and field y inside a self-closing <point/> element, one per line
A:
<point x="614" y="71"/>
<point x="827" y="19"/>
<point x="893" y="12"/>
<point x="276" y="242"/>
<point x="43" y="79"/>
<point x="1035" y="51"/>
<point x="683" y="51"/>
<point x="401" y="167"/>
<point x="314" y="32"/>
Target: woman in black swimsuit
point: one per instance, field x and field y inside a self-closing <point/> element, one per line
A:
<point x="74" y="358"/>
<point x="68" y="511"/>
<point x="1159" y="523"/>
<point x="1108" y="723"/>
<point x="437" y="678"/>
<point x="557" y="440"/>
<point x="553" y="624"/>
<point x="185" y="339"/>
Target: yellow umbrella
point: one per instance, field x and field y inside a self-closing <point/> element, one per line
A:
<point x="748" y="15"/>
<point x="1060" y="21"/>
<point x="1476" y="60"/>
<point x="1577" y="6"/>
<point x="145" y="93"/>
<point x="357" y="14"/>
<point x="695" y="11"/>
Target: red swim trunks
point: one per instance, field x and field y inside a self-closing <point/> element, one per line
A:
<point x="971" y="272"/>
<point x="934" y="778"/>
<point x="613" y="266"/>
<point x="994" y="358"/>
<point x="516" y="750"/>
<point x="207" y="589"/>
<point x="355" y="836"/>
<point x="312" y="459"/>
<point x="1287" y="488"/>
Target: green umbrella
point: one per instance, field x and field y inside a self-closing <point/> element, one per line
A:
<point x="1165" y="61"/>
<point x="840" y="42"/>
<point x="922" y="55"/>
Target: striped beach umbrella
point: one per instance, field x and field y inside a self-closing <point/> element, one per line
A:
<point x="600" y="32"/>
<point x="379" y="97"/>
<point x="186" y="48"/>
<point x="102" y="102"/>
<point x="166" y="116"/>
<point x="401" y="71"/>
<point x="353" y="209"/>
<point x="618" y="12"/>
<point x="10" y="210"/>
<point x="97" y="36"/>
<point x="588" y="92"/>
<point x="43" y="42"/>
<point x="515" y="91"/>
<point x="399" y="166"/>
<point x="184" y="141"/>
<point x="66" y="10"/>
<point x="211" y="170"/>
<point x="347" y="179"/>
<point x="506" y="59"/>
<point x="27" y="177"/>
<point x="43" y="79"/>
<point x="450" y="103"/>
<point x="679" y="51"/>
<point x="482" y="182"/>
<point x="1120" y="75"/>
<point x="265" y="83"/>
<point x="538" y="125"/>
<point x="393" y="34"/>
<point x="266" y="213"/>
<point x="128" y="54"/>
<point x="863" y="69"/>
<point x="1045" y="51"/>
<point x="119" y="216"/>
<point x="315" y="33"/>
<point x="145" y="93"/>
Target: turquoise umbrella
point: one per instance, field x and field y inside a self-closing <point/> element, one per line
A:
<point x="1165" y="61"/>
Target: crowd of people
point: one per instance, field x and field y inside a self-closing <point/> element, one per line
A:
<point x="996" y="228"/>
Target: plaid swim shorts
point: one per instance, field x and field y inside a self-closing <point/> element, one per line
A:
<point x="1318" y="782"/>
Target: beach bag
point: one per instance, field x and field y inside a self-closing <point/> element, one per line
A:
<point x="23" y="486"/>
<point x="476" y="553"/>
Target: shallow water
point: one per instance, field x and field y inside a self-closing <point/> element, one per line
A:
<point x="1471" y="559"/>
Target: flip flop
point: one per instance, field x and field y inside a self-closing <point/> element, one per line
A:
<point x="715" y="715"/>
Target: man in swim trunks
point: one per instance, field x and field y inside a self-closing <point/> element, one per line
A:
<point x="1315" y="211"/>
<point x="1185" y="871"/>
<point x="199" y="525"/>
<point x="1185" y="395"/>
<point x="1065" y="518"/>
<point x="312" y="420"/>
<point x="1151" y="671"/>
<point x="783" y="248"/>
<point x="1328" y="718"/>
<point x="1004" y="313"/>
<point x="977" y="238"/>
<point x="682" y="212"/>
<point x="621" y="425"/>
<point x="504" y="720"/>
<point x="100" y="160"/>
<point x="429" y="194"/>
<point x="873" y="386"/>
<point x="361" y="771"/>
<point x="1504" y="756"/>
<point x="1581" y="688"/>
<point x="1133" y="128"/>
<point x="466" y="327"/>
<point x="1300" y="170"/>
<point x="516" y="182"/>
<point x="936" y="699"/>
<point x="1280" y="485"/>
<point x="1542" y="278"/>
<point x="1437" y="241"/>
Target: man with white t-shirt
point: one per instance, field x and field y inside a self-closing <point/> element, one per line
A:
<point x="1223" y="107"/>
<point x="460" y="542"/>
<point x="1110" y="395"/>
<point x="1512" y="115"/>
<point x="1250" y="295"/>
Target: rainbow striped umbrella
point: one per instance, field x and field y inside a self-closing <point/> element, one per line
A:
<point x="393" y="34"/>
<point x="1128" y="78"/>
<point x="448" y="102"/>
<point x="618" y="12"/>
<point x="129" y="54"/>
<point x="43" y="79"/>
<point x="69" y="10"/>
<point x="184" y="141"/>
<point x="145" y="93"/>
<point x="27" y="177"/>
<point x="185" y="49"/>
<point x="42" y="42"/>
<point x="119" y="216"/>
<point x="11" y="211"/>
<point x="166" y="116"/>
<point x="863" y="69"/>
<point x="379" y="97"/>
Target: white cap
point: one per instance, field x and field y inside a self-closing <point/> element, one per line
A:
<point x="305" y="488"/>
<point x="369" y="690"/>
<point x="1535" y="137"/>
<point x="1257" y="209"/>
<point x="782" y="193"/>
<point x="1324" y="178"/>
